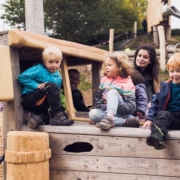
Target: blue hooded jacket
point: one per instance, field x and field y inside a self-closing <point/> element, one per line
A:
<point x="160" y="100"/>
<point x="32" y="77"/>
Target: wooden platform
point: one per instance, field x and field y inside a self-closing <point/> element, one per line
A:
<point x="120" y="153"/>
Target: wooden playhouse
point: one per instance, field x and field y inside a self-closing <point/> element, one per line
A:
<point x="80" y="151"/>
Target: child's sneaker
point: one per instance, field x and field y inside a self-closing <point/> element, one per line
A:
<point x="33" y="120"/>
<point x="132" y="122"/>
<point x="60" y="119"/>
<point x="156" y="140"/>
<point x="106" y="123"/>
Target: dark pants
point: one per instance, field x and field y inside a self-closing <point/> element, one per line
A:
<point x="165" y="120"/>
<point x="50" y="97"/>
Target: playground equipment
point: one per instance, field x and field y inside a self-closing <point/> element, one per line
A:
<point x="170" y="10"/>
<point x="82" y="151"/>
<point x="27" y="155"/>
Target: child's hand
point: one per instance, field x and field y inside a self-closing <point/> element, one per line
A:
<point x="147" y="124"/>
<point x="139" y="114"/>
<point x="41" y="86"/>
<point x="104" y="97"/>
<point x="149" y="105"/>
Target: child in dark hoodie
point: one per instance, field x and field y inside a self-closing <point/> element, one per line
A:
<point x="140" y="93"/>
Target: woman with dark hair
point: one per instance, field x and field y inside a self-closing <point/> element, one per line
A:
<point x="145" y="61"/>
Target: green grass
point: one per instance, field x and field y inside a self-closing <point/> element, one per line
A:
<point x="143" y="39"/>
<point x="164" y="75"/>
<point x="85" y="83"/>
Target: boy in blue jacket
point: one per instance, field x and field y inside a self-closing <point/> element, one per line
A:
<point x="164" y="113"/>
<point x="41" y="89"/>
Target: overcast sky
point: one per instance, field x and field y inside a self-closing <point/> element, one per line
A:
<point x="175" y="22"/>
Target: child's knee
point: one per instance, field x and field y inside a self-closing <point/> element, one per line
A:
<point x="92" y="113"/>
<point x="95" y="115"/>
<point x="51" y="86"/>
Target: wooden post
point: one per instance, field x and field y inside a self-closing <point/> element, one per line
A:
<point x="155" y="35"/>
<point x="168" y="33"/>
<point x="111" y="40"/>
<point x="34" y="16"/>
<point x="162" y="47"/>
<point x="135" y="29"/>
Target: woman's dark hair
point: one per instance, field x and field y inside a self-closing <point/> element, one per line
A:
<point x="152" y="68"/>
<point x="137" y="77"/>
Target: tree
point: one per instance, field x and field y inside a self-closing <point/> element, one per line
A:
<point x="83" y="21"/>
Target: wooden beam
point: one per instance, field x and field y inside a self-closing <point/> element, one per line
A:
<point x="34" y="16"/>
<point x="67" y="88"/>
<point x="111" y="40"/>
<point x="96" y="67"/>
<point x="162" y="47"/>
<point x="77" y="175"/>
<point x="135" y="29"/>
<point x="18" y="38"/>
<point x="6" y="82"/>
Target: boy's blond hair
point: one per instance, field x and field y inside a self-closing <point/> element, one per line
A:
<point x="174" y="61"/>
<point x="51" y="52"/>
<point x="122" y="61"/>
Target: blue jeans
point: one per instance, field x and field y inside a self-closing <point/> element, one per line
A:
<point x="113" y="99"/>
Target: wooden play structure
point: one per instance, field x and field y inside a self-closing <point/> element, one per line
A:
<point x="80" y="151"/>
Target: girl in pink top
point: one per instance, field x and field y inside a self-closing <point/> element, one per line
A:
<point x="115" y="101"/>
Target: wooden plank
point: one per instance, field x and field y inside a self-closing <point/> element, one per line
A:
<point x="18" y="38"/>
<point x="79" y="175"/>
<point x="3" y="38"/>
<point x="143" y="166"/>
<point x="34" y="16"/>
<point x="13" y="113"/>
<point x="1" y="119"/>
<point x="68" y="93"/>
<point x="116" y="146"/>
<point x="1" y="143"/>
<point x="82" y="114"/>
<point x="6" y="82"/>
<point x="96" y="67"/>
<point x="86" y="129"/>
<point x="1" y="171"/>
<point x="67" y="88"/>
<point x="1" y="151"/>
<point x="154" y="13"/>
<point x="162" y="47"/>
<point x="111" y="40"/>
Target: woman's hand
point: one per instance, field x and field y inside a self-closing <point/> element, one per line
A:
<point x="147" y="124"/>
<point x="41" y="86"/>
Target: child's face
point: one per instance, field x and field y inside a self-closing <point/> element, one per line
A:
<point x="52" y="65"/>
<point x="111" y="67"/>
<point x="174" y="74"/>
<point x="143" y="59"/>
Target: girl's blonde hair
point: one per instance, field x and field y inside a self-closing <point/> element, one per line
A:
<point x="51" y="52"/>
<point x="123" y="63"/>
<point x="174" y="61"/>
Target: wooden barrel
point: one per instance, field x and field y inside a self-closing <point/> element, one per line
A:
<point x="27" y="155"/>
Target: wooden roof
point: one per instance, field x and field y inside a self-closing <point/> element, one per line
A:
<point x="23" y="39"/>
